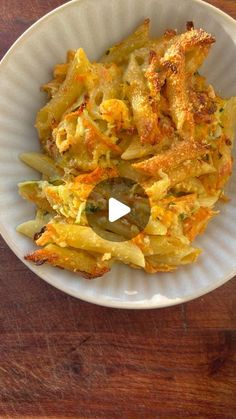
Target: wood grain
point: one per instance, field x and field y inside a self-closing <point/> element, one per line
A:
<point x="60" y="357"/>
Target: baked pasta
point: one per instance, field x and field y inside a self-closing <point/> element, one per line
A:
<point x="143" y="112"/>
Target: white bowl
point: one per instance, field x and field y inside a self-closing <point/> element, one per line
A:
<point x="96" y="25"/>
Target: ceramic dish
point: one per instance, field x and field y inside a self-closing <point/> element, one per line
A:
<point x="95" y="25"/>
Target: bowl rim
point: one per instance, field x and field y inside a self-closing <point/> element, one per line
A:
<point x="103" y="301"/>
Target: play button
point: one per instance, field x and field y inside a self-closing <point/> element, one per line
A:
<point x="118" y="209"/>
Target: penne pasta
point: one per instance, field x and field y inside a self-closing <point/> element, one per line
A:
<point x="174" y="61"/>
<point x="76" y="261"/>
<point x="121" y="51"/>
<point x="30" y="228"/>
<point x="84" y="238"/>
<point x="32" y="191"/>
<point x="171" y="261"/>
<point x="143" y="113"/>
<point x="144" y="117"/>
<point x="69" y="90"/>
<point x="42" y="164"/>
<point x="178" y="153"/>
<point x="190" y="168"/>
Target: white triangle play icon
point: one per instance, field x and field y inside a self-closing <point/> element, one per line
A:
<point x="117" y="210"/>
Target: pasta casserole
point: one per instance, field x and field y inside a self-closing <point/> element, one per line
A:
<point x="142" y="112"/>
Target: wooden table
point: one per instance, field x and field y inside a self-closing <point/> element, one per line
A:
<point x="60" y="357"/>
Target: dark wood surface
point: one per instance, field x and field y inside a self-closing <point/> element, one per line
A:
<point x="61" y="357"/>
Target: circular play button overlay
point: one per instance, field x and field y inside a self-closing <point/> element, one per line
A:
<point x="118" y="209"/>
